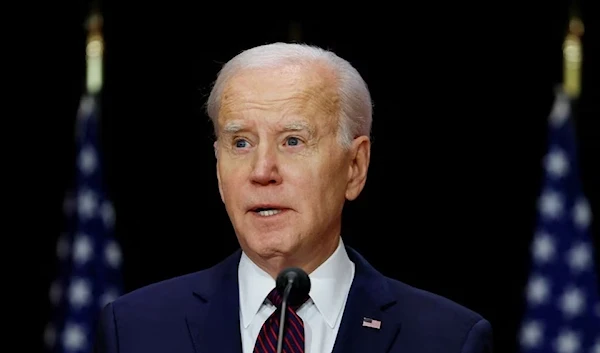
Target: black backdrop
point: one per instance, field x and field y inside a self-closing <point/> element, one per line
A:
<point x="461" y="100"/>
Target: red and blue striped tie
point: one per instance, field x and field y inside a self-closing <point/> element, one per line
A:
<point x="293" y="341"/>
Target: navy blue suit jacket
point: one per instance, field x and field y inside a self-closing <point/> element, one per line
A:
<point x="199" y="313"/>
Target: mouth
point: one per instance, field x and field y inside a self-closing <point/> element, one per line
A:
<point x="267" y="211"/>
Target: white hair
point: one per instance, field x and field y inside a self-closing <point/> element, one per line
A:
<point x="355" y="100"/>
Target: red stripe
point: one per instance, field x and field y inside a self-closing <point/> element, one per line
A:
<point x="269" y="342"/>
<point x="260" y="340"/>
<point x="299" y="335"/>
<point x="297" y="317"/>
<point x="289" y="345"/>
<point x="298" y="331"/>
<point x="274" y="334"/>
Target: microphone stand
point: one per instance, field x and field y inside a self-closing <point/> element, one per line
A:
<point x="284" y="299"/>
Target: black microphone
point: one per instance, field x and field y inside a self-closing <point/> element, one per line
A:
<point x="293" y="284"/>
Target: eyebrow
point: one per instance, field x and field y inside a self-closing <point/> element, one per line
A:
<point x="299" y="126"/>
<point x="234" y="127"/>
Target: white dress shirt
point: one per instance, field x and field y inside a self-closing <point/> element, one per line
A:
<point x="322" y="314"/>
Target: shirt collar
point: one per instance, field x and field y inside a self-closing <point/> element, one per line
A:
<point x="330" y="284"/>
<point x="255" y="284"/>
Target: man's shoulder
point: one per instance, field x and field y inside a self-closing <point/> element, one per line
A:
<point x="169" y="287"/>
<point x="430" y="322"/>
<point x="167" y="295"/>
<point x="149" y="318"/>
<point x="438" y="320"/>
<point x="424" y="301"/>
<point x="414" y="302"/>
<point x="173" y="294"/>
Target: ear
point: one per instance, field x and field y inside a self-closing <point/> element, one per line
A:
<point x="360" y="157"/>
<point x="218" y="174"/>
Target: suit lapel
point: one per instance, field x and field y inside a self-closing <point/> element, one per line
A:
<point x="369" y="298"/>
<point x="214" y="322"/>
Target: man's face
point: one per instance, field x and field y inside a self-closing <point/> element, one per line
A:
<point x="282" y="174"/>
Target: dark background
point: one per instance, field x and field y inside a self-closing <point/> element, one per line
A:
<point x="461" y="93"/>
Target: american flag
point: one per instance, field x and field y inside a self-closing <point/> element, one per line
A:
<point x="368" y="322"/>
<point x="89" y="256"/>
<point x="563" y="306"/>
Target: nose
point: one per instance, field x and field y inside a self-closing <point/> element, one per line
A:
<point x="265" y="170"/>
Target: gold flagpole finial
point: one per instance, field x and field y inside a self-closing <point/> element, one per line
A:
<point x="94" y="53"/>
<point x="572" y="57"/>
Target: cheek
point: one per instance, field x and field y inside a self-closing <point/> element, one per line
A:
<point x="230" y="178"/>
<point x="314" y="182"/>
<point x="332" y="180"/>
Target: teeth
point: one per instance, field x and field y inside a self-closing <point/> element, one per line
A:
<point x="269" y="212"/>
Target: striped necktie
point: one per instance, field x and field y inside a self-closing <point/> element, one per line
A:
<point x="293" y="339"/>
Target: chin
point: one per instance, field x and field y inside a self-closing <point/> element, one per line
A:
<point x="271" y="245"/>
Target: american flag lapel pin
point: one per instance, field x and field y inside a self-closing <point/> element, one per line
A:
<point x="368" y="322"/>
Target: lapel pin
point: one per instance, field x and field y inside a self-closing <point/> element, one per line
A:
<point x="368" y="322"/>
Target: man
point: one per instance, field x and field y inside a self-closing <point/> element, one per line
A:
<point x="292" y="124"/>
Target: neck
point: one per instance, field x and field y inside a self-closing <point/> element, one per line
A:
<point x="308" y="259"/>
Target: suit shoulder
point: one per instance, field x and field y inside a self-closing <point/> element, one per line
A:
<point x="438" y="323"/>
<point x="162" y="294"/>
<point x="445" y="310"/>
<point x="169" y="287"/>
<point x="150" y="318"/>
<point x="176" y="291"/>
<point x="167" y="296"/>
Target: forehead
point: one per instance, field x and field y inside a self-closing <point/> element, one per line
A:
<point x="300" y="91"/>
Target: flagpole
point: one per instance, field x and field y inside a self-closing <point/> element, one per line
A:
<point x="94" y="50"/>
<point x="573" y="55"/>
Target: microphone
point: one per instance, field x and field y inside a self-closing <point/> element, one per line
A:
<point x="293" y="284"/>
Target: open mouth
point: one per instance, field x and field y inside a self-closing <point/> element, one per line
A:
<point x="267" y="212"/>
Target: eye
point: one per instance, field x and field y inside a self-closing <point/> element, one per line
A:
<point x="293" y="141"/>
<point x="240" y="143"/>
